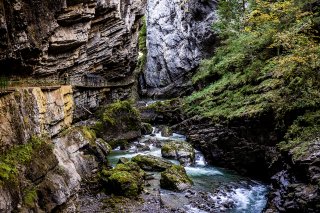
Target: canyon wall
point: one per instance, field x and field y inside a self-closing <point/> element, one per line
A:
<point x="34" y="111"/>
<point x="44" y="157"/>
<point x="179" y="35"/>
<point x="51" y="38"/>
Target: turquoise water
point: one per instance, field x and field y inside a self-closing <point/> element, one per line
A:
<point x="249" y="196"/>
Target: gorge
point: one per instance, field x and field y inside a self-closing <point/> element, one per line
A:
<point x="159" y="106"/>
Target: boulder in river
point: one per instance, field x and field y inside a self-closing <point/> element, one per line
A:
<point x="151" y="163"/>
<point x="175" y="178"/>
<point x="146" y="129"/>
<point x="153" y="141"/>
<point x="142" y="147"/>
<point x="179" y="150"/>
<point x="123" y="160"/>
<point x="125" y="179"/>
<point x="165" y="131"/>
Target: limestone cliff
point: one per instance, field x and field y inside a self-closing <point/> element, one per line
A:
<point x="49" y="38"/>
<point x="32" y="111"/>
<point x="179" y="35"/>
<point x="43" y="158"/>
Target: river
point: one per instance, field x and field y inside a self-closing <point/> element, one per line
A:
<point x="215" y="189"/>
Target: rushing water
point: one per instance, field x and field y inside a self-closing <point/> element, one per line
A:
<point x="223" y="186"/>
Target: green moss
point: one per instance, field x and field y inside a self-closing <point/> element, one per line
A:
<point x="167" y="148"/>
<point x="30" y="197"/>
<point x="151" y="163"/>
<point x="98" y="128"/>
<point x="20" y="154"/>
<point x="125" y="179"/>
<point x="143" y="45"/>
<point x="146" y="128"/>
<point x="301" y="134"/>
<point x="175" y="178"/>
<point x="113" y="111"/>
<point x="116" y="143"/>
<point x="128" y="185"/>
<point x="89" y="133"/>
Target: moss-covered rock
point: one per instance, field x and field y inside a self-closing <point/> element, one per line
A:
<point x="123" y="160"/>
<point x="179" y="150"/>
<point x="146" y="129"/>
<point x="151" y="163"/>
<point x="119" y="121"/>
<point x="165" y="131"/>
<point x="123" y="144"/>
<point x="21" y="155"/>
<point x="175" y="178"/>
<point x="125" y="179"/>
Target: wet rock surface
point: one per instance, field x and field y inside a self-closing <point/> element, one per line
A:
<point x="151" y="163"/>
<point x="182" y="151"/>
<point x="296" y="187"/>
<point x="249" y="147"/>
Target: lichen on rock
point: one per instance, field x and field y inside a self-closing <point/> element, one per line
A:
<point x="151" y="163"/>
<point x="125" y="179"/>
<point x="182" y="151"/>
<point x="175" y="178"/>
<point x="120" y="122"/>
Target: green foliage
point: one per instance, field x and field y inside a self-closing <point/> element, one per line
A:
<point x="302" y="133"/>
<point x="267" y="64"/>
<point x="143" y="45"/>
<point x="20" y="154"/>
<point x="268" y="60"/>
<point x="30" y="196"/>
<point x="116" y="109"/>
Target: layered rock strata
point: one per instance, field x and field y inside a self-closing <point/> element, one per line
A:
<point x="50" y="38"/>
<point x="47" y="175"/>
<point x="34" y="111"/>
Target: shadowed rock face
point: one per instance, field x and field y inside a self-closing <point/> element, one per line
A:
<point x="178" y="36"/>
<point x="48" y="38"/>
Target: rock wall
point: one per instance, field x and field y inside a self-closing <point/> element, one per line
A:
<point x="87" y="101"/>
<point x="34" y="111"/>
<point x="178" y="36"/>
<point x="55" y="169"/>
<point x="49" y="38"/>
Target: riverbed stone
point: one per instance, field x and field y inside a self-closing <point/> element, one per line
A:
<point x="146" y="129"/>
<point x="165" y="131"/>
<point x="175" y="178"/>
<point x="123" y="160"/>
<point x="182" y="151"/>
<point x="125" y="179"/>
<point x="151" y="163"/>
<point x="142" y="147"/>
